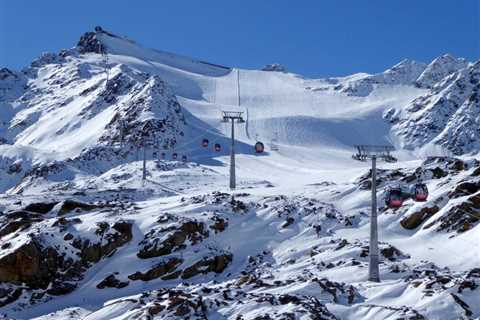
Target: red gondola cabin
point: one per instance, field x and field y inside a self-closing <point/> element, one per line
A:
<point x="259" y="147"/>
<point x="205" y="143"/>
<point x="174" y="156"/>
<point x="217" y="147"/>
<point x="420" y="192"/>
<point x="394" y="198"/>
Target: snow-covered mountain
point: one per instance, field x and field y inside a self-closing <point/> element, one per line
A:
<point x="82" y="236"/>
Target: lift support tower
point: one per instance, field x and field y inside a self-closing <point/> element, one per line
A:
<point x="365" y="152"/>
<point x="232" y="116"/>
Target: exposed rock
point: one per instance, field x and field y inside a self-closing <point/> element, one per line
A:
<point x="70" y="205"/>
<point x="464" y="189"/>
<point x="274" y="67"/>
<point x="215" y="264"/>
<point x="112" y="282"/>
<point x="40" y="207"/>
<point x="116" y="236"/>
<point x="161" y="269"/>
<point x="30" y="264"/>
<point x="219" y="224"/>
<point x="160" y="242"/>
<point x="461" y="303"/>
<point x="417" y="218"/>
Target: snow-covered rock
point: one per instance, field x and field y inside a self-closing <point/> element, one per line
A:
<point x="85" y="235"/>
<point x="439" y="68"/>
<point x="446" y="116"/>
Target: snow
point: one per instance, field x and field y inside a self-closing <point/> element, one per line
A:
<point x="66" y="124"/>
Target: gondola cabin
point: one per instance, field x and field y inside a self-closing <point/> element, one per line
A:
<point x="162" y="155"/>
<point x="420" y="192"/>
<point x="394" y="198"/>
<point x="184" y="158"/>
<point x="217" y="147"/>
<point x="205" y="143"/>
<point x="259" y="147"/>
<point x="174" y="156"/>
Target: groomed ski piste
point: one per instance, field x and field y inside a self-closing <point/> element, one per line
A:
<point x="290" y="242"/>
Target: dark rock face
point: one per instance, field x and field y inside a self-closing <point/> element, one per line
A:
<point x="89" y="43"/>
<point x="464" y="189"/>
<point x="111" y="282"/>
<point x="462" y="217"/>
<point x="189" y="230"/>
<point x="40" y="207"/>
<point x="37" y="265"/>
<point x="116" y="236"/>
<point x="274" y="67"/>
<point x="164" y="268"/>
<point x="18" y="220"/>
<point x="417" y="218"/>
<point x="70" y="205"/>
<point x="30" y="264"/>
<point x="215" y="264"/>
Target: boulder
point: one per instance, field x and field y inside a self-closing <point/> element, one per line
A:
<point x="112" y="282"/>
<point x="152" y="246"/>
<point x="417" y="218"/>
<point x="215" y="264"/>
<point x="161" y="269"/>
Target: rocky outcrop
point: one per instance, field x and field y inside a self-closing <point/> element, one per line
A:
<point x="414" y="220"/>
<point x="446" y="116"/>
<point x="112" y="237"/>
<point x="163" y="241"/>
<point x="112" y="282"/>
<point x="274" y="67"/>
<point x="215" y="264"/>
<point x="165" y="269"/>
<point x="39" y="265"/>
<point x="439" y="68"/>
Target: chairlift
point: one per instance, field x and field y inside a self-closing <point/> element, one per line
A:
<point x="174" y="156"/>
<point x="394" y="198"/>
<point x="259" y="147"/>
<point x="205" y="143"/>
<point x="217" y="147"/>
<point x="420" y="192"/>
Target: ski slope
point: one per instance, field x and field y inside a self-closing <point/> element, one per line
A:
<point x="298" y="220"/>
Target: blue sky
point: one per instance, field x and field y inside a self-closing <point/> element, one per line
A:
<point x="313" y="38"/>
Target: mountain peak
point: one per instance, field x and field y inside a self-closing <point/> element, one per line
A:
<point x="439" y="68"/>
<point x="90" y="41"/>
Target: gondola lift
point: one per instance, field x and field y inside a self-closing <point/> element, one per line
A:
<point x="217" y="147"/>
<point x="184" y="158"/>
<point x="394" y="198"/>
<point x="162" y="155"/>
<point x="420" y="192"/>
<point x="259" y="147"/>
<point x="174" y="156"/>
<point x="205" y="143"/>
